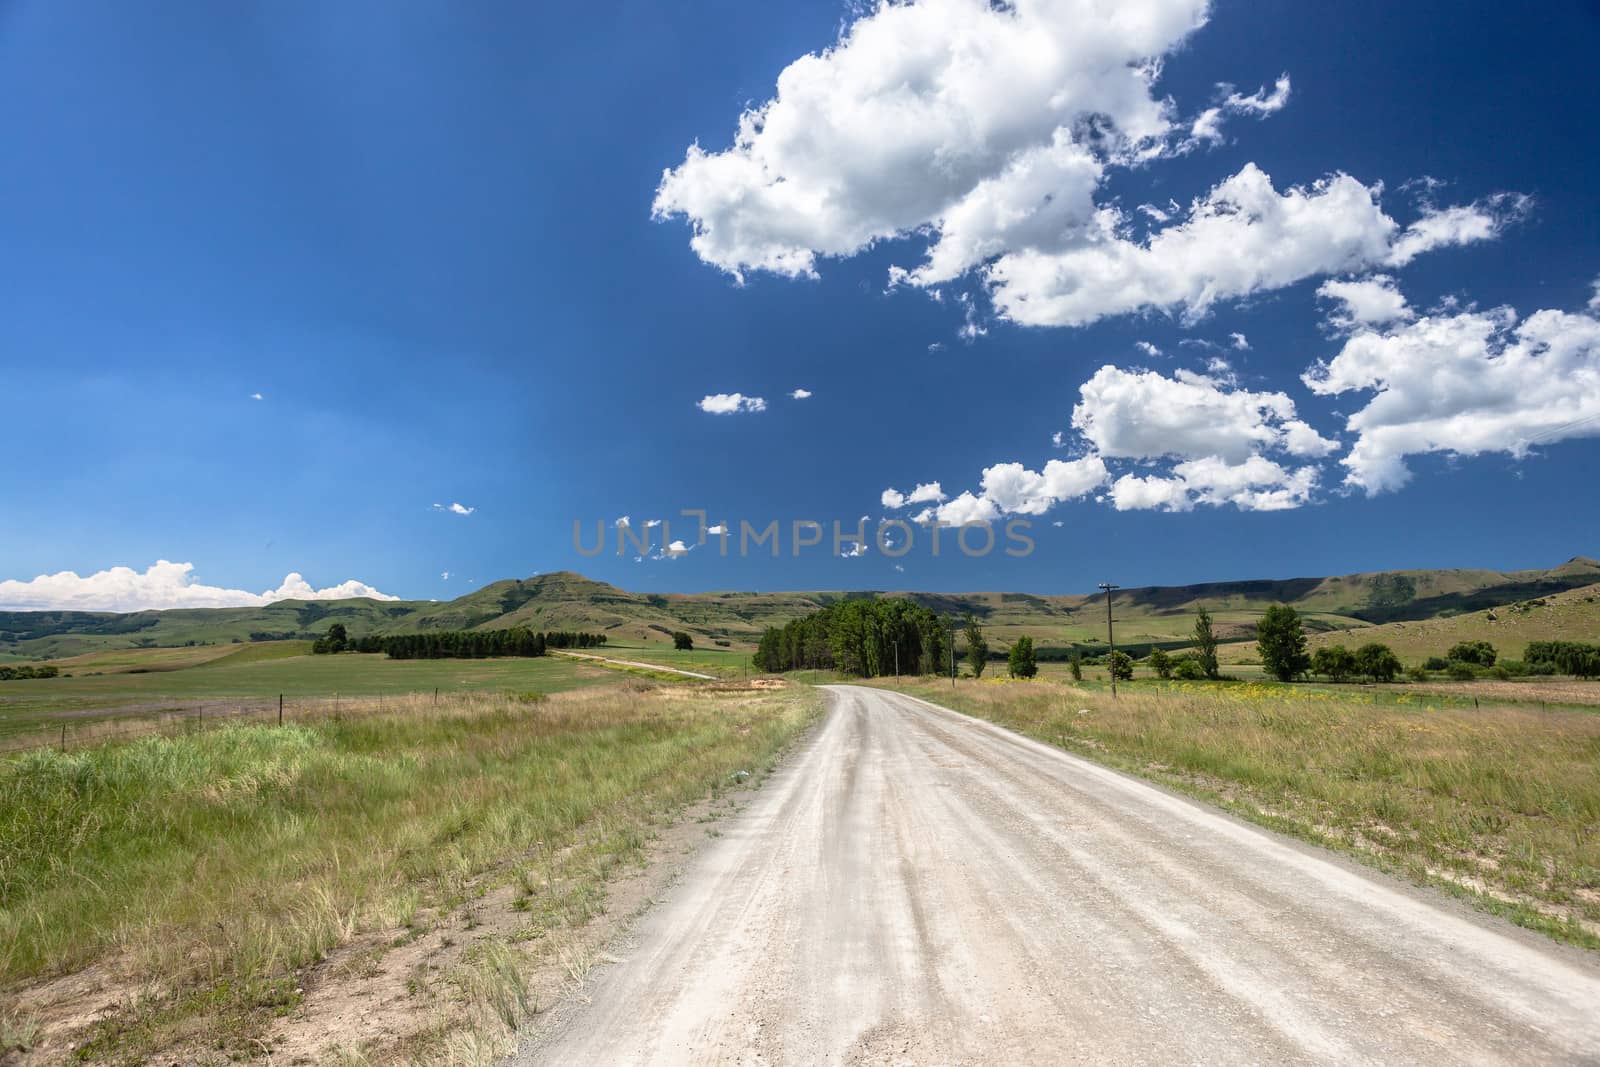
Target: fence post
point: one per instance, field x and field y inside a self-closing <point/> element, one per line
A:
<point x="63" y="737"/>
<point x="280" y="709"/>
<point x="435" y="696"/>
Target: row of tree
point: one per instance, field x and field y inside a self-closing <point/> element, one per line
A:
<point x="1568" y="657"/>
<point x="455" y="644"/>
<point x="24" y="671"/>
<point x="866" y="638"/>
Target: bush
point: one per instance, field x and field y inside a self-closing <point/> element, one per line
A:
<point x="682" y="642"/>
<point x="1161" y="663"/>
<point x="1377" y="662"/>
<point x="1187" y="669"/>
<point x="1478" y="653"/>
<point x="1462" y="672"/>
<point x="1122" y="666"/>
<point x="1334" y="662"/>
<point x="1416" y="674"/>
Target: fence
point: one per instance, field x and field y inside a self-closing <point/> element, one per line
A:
<point x="95" y="726"/>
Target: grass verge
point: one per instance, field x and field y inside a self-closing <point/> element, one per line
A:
<point x="198" y="878"/>
<point x="1498" y="804"/>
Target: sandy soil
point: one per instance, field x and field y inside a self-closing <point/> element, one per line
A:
<point x="918" y="887"/>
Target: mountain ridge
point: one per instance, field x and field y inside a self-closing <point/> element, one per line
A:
<point x="567" y="600"/>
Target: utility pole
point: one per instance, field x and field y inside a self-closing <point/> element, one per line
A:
<point x="1111" y="635"/>
<point x="897" y="657"/>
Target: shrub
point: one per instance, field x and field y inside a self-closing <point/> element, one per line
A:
<point x="1161" y="663"/>
<point x="1378" y="662"/>
<point x="682" y="642"/>
<point x="1187" y="669"/>
<point x="1478" y="653"/>
<point x="1436" y="663"/>
<point x="1122" y="666"/>
<point x="1416" y="674"/>
<point x="1334" y="662"/>
<point x="1462" y="672"/>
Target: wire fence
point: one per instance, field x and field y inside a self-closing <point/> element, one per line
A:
<point x="85" y="727"/>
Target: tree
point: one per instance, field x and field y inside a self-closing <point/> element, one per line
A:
<point x="1077" y="666"/>
<point x="1378" y="662"/>
<point x="1121" y="666"/>
<point x="1021" y="661"/>
<point x="1205" y="642"/>
<point x="1187" y="669"/>
<point x="1479" y="653"/>
<point x="1282" y="643"/>
<point x="682" y="642"/>
<point x="338" y="637"/>
<point x="1161" y="663"/>
<point x="1334" y="662"/>
<point x="977" y="648"/>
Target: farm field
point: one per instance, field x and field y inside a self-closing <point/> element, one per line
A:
<point x="1498" y="803"/>
<point x="224" y="894"/>
<point x="253" y="677"/>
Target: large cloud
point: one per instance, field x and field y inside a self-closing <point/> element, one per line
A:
<point x="956" y="110"/>
<point x="1466" y="383"/>
<point x="1192" y="439"/>
<point x="990" y="128"/>
<point x="1127" y="414"/>
<point x="163" y="585"/>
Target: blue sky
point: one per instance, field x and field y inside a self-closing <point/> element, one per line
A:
<point x="423" y="235"/>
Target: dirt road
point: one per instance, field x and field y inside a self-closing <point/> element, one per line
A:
<point x="637" y="663"/>
<point x="917" y="887"/>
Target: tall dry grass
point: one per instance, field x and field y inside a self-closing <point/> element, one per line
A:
<point x="212" y="866"/>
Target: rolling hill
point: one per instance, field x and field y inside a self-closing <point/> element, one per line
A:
<point x="565" y="600"/>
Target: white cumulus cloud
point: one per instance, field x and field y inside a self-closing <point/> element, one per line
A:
<point x="454" y="509"/>
<point x="162" y="585"/>
<point x="929" y="493"/>
<point x="1364" y="302"/>
<point x="800" y="394"/>
<point x="731" y="404"/>
<point x="990" y="130"/>
<point x="1464" y="383"/>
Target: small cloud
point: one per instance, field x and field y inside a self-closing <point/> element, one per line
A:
<point x="1240" y="342"/>
<point x="800" y="394"/>
<point x="622" y="522"/>
<point x="899" y="568"/>
<point x="651" y="524"/>
<point x="856" y="549"/>
<point x="937" y="346"/>
<point x="1147" y="348"/>
<point x="454" y="509"/>
<point x="444" y="576"/>
<point x="257" y="396"/>
<point x="716" y="531"/>
<point x="1058" y="439"/>
<point x="675" y="549"/>
<point x="731" y="404"/>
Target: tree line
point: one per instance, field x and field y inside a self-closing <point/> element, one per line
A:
<point x="456" y="644"/>
<point x="24" y="672"/>
<point x="867" y="638"/>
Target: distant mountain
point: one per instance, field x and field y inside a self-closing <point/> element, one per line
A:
<point x="568" y="601"/>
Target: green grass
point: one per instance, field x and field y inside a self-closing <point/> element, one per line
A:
<point x="219" y="865"/>
<point x="257" y="674"/>
<point x="1500" y="803"/>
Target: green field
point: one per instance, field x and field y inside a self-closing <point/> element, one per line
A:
<point x="254" y="677"/>
<point x="190" y="884"/>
